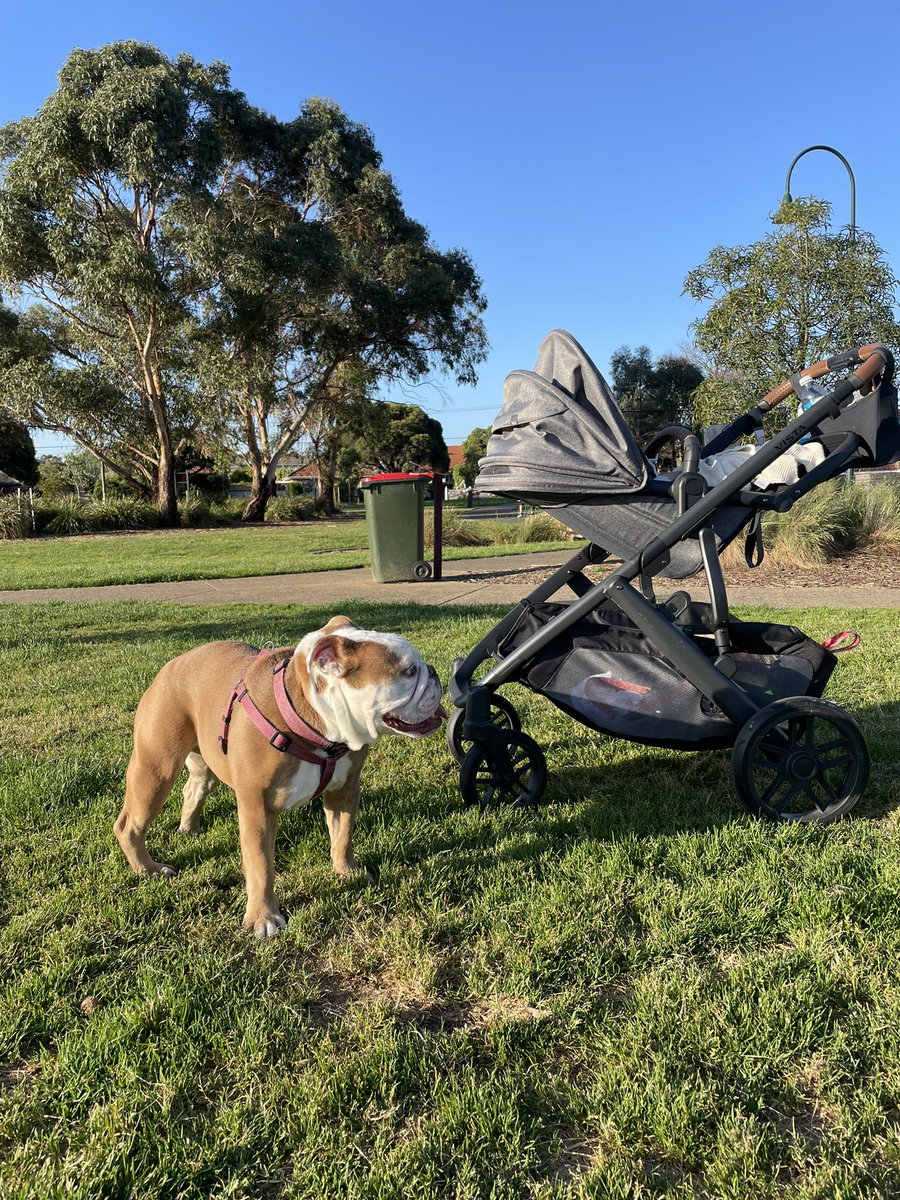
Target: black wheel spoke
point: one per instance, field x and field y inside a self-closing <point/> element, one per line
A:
<point x="769" y="794"/>
<point x="786" y="799"/>
<point x="826" y="787"/>
<point x="843" y="761"/>
<point x="834" y="744"/>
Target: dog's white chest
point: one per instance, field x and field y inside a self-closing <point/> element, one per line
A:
<point x="299" y="791"/>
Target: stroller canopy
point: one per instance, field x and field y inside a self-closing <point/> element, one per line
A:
<point x="560" y="432"/>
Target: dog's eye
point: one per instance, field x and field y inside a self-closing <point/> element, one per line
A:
<point x="410" y="671"/>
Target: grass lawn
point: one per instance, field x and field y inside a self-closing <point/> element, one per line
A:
<point x="635" y="990"/>
<point x="167" y="555"/>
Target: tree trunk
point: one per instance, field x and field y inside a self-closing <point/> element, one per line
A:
<point x="262" y="490"/>
<point x="166" y="498"/>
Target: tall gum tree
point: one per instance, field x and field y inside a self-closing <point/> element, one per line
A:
<point x="321" y="289"/>
<point x="90" y="189"/>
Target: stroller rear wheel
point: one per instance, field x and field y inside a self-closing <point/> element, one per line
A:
<point x="800" y="759"/>
<point x="503" y="715"/>
<point x="508" y="770"/>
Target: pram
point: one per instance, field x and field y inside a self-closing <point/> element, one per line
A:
<point x="671" y="672"/>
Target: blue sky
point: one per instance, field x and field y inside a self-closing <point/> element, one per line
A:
<point x="586" y="155"/>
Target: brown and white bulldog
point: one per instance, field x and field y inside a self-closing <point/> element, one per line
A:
<point x="279" y="727"/>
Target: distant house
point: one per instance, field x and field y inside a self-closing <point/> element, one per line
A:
<point x="308" y="478"/>
<point x="456" y="456"/>
<point x="8" y="485"/>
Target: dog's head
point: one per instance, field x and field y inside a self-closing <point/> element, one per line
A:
<point x="364" y="683"/>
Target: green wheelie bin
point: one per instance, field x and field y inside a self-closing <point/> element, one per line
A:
<point x="395" y="515"/>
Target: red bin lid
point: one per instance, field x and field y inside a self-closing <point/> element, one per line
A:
<point x="395" y="477"/>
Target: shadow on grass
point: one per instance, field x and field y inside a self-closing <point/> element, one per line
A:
<point x="648" y="796"/>
<point x="284" y="623"/>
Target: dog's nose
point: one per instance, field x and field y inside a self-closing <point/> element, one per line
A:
<point x="432" y="672"/>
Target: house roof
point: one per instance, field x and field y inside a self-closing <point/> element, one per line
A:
<point x="8" y="481"/>
<point x="456" y="456"/>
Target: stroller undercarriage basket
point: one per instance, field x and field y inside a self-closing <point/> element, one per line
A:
<point x="606" y="673"/>
<point x="673" y="672"/>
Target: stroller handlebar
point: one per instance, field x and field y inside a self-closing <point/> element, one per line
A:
<point x="872" y="359"/>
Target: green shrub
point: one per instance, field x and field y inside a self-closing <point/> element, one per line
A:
<point x="501" y="533"/>
<point x="290" y="508"/>
<point x="116" y="488"/>
<point x="835" y="519"/>
<point x="456" y="532"/>
<point x="67" y="515"/>
<point x="876" y="515"/>
<point x="195" y="511"/>
<point x="226" y="512"/>
<point x="541" y="527"/>
<point x="15" y="518"/>
<point x="121" y="512"/>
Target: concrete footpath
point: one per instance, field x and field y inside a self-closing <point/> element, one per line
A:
<point x="466" y="582"/>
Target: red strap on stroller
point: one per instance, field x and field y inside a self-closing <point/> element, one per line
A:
<point x="834" y="642"/>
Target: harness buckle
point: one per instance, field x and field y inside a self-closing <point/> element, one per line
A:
<point x="279" y="741"/>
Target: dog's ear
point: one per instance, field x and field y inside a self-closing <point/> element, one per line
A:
<point x="333" y="655"/>
<point x="338" y="623"/>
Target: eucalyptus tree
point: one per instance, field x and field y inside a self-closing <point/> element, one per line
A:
<point x="474" y="448"/>
<point x="324" y="289"/>
<point x="797" y="296"/>
<point x="653" y="395"/>
<point x="399" y="437"/>
<point x="91" y="192"/>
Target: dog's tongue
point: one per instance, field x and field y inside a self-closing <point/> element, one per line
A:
<point x="416" y="728"/>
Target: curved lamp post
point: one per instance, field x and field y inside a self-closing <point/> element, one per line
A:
<point x="831" y="150"/>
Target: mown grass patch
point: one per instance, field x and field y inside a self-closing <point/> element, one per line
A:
<point x="165" y="556"/>
<point x="634" y="990"/>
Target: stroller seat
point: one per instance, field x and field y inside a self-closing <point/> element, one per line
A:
<point x="560" y="443"/>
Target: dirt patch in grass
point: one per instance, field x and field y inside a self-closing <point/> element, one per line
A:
<point x="338" y="995"/>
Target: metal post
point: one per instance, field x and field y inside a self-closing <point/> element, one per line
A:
<point x="438" y="515"/>
<point x="831" y="150"/>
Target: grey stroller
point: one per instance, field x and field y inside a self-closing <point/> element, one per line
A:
<point x="669" y="671"/>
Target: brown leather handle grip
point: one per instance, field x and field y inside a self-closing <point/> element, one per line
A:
<point x="871" y="363"/>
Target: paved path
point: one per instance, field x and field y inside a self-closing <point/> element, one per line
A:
<point x="466" y="582"/>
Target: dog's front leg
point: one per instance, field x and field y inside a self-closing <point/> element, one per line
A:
<point x="257" y="827"/>
<point x="341" y="805"/>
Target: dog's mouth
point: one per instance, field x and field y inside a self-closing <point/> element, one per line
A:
<point x="417" y="728"/>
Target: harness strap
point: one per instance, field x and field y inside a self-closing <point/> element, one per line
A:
<point x="754" y="550"/>
<point x="277" y="739"/>
<point x="294" y="721"/>
<point x="833" y="643"/>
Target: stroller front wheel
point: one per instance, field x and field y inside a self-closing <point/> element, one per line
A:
<point x="503" y="715"/>
<point x="508" y="770"/>
<point x="800" y="759"/>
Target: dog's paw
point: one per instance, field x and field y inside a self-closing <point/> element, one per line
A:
<point x="190" y="830"/>
<point x="162" y="869"/>
<point x="354" y="874"/>
<point x="265" y="924"/>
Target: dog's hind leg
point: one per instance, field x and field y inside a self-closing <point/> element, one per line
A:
<point x="199" y="784"/>
<point x="151" y="776"/>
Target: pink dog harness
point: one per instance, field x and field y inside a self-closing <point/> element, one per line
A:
<point x="329" y="752"/>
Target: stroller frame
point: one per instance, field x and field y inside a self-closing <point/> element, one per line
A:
<point x="512" y="764"/>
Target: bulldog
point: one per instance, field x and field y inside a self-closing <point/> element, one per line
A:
<point x="279" y="727"/>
